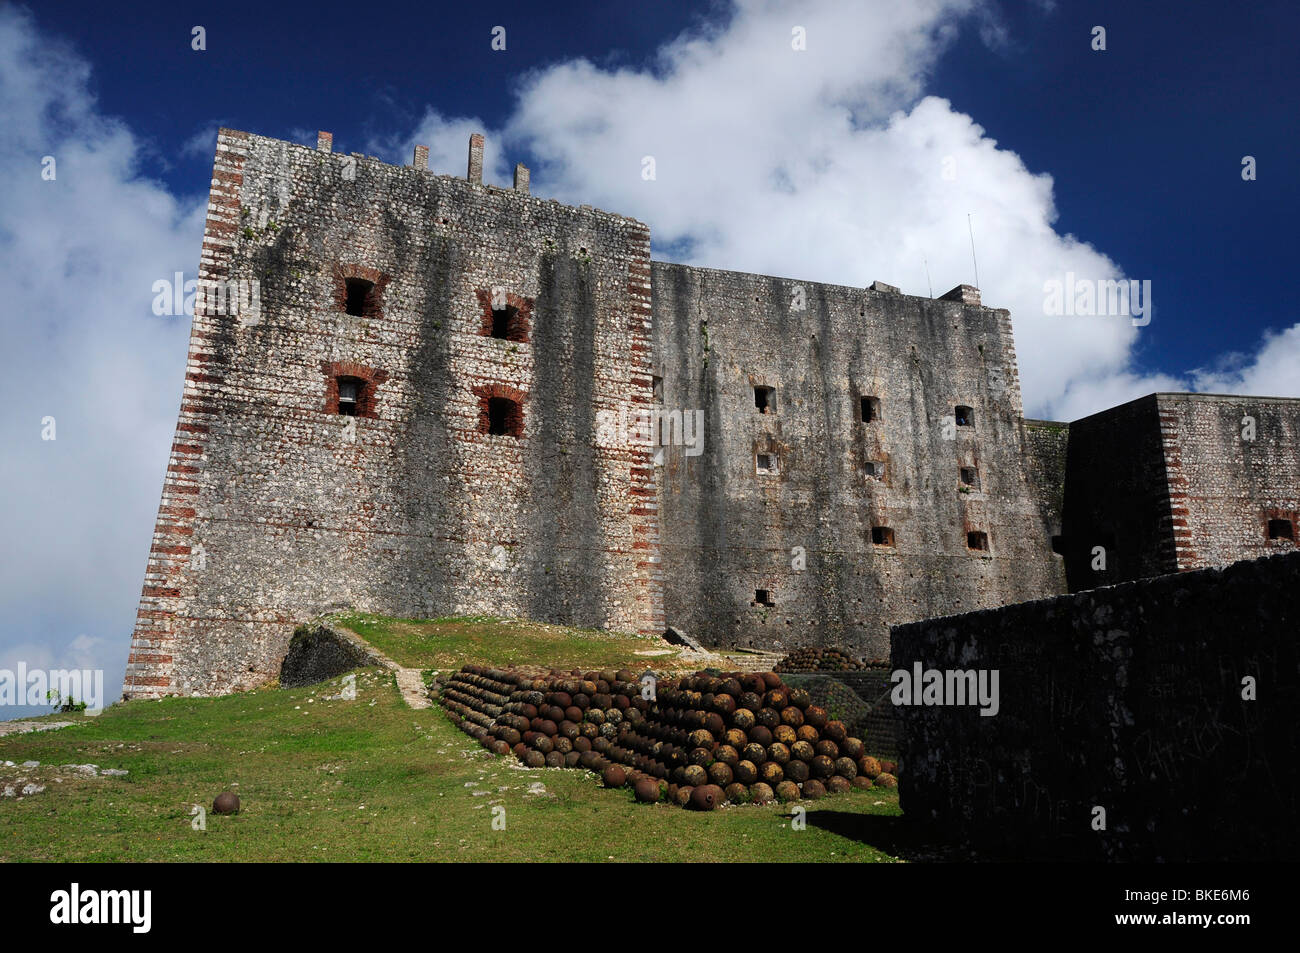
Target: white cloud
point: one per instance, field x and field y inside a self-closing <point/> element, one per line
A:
<point x="1272" y="371"/>
<point x="78" y="256"/>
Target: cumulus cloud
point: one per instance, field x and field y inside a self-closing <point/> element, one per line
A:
<point x="78" y="257"/>
<point x="1273" y="370"/>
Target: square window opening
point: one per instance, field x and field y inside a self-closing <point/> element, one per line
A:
<point x="763" y="598"/>
<point x="349" y="395"/>
<point x="358" y="295"/>
<point x="882" y="536"/>
<point x="765" y="400"/>
<point x="503" y="320"/>
<point x="765" y="462"/>
<point x="970" y="477"/>
<point x="870" y="409"/>
<point x="503" y="417"/>
<point x="964" y="415"/>
<point x="978" y="541"/>
<point x="1281" y="529"/>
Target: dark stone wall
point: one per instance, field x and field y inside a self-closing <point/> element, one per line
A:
<point x="729" y="530"/>
<point x="1127" y="698"/>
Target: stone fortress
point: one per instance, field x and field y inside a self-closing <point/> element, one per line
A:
<point x="437" y="400"/>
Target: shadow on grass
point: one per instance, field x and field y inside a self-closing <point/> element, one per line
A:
<point x="898" y="836"/>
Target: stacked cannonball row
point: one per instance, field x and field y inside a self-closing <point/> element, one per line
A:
<point x="705" y="739"/>
<point x="810" y="659"/>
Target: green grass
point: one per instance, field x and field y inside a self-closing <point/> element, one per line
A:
<point x="369" y="780"/>
<point x="480" y="640"/>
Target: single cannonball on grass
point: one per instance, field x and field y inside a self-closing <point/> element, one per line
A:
<point x="838" y="785"/>
<point x="787" y="791"/>
<point x="614" y="776"/>
<point x="227" y="802"/>
<point x="646" y="790"/>
<point x="746" y="771"/>
<point x="861" y="781"/>
<point x="813" y="789"/>
<point x="695" y="775"/>
<point x="769" y="718"/>
<point x="573" y="759"/>
<point x="828" y="748"/>
<point x="868" y="766"/>
<point x="771" y="773"/>
<point x="761" y="734"/>
<point x="761" y="793"/>
<point x="784" y="734"/>
<point x="778" y="752"/>
<point x="534" y="759"/>
<point x="822" y="766"/>
<point x="852" y="747"/>
<point x="754" y="752"/>
<point x="737" y="793"/>
<point x="683" y="795"/>
<point x="707" y="797"/>
<point x="885" y="780"/>
<point x="721" y="774"/>
<point x="836" y="731"/>
<point x="846" y="768"/>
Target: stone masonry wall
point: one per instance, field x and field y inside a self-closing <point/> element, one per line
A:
<point x="729" y="530"/>
<point x="1128" y="698"/>
<point x="276" y="507"/>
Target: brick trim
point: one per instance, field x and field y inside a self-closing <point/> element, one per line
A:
<point x="342" y="271"/>
<point x="514" y="419"/>
<point x="370" y="379"/>
<point x="520" y="326"/>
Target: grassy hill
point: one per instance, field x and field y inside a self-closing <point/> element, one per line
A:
<point x="372" y="779"/>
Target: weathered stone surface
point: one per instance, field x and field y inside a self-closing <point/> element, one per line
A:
<point x="1128" y="698"/>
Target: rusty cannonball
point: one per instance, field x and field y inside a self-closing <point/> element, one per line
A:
<point x="761" y="793"/>
<point x="761" y="734"/>
<point x="754" y="752"/>
<point x="701" y="738"/>
<point x="701" y="756"/>
<point x="836" y="731"/>
<point x="778" y="752"/>
<point x="573" y="759"/>
<point x="861" y="781"/>
<point x="885" y="780"/>
<point x="534" y="759"/>
<point x="838" y="785"/>
<point x="813" y="789"/>
<point x="776" y="699"/>
<point x="750" y="701"/>
<point x="846" y="768"/>
<point x="737" y="793"/>
<point x="683" y="796"/>
<point x="803" y="751"/>
<point x="614" y="776"/>
<point x="822" y="766"/>
<point x="768" y="718"/>
<point x="787" y="791"/>
<point x="771" y="773"/>
<point x="707" y="797"/>
<point x="714" y="724"/>
<point x="543" y="744"/>
<point x="889" y="767"/>
<point x="726" y="754"/>
<point x="791" y="716"/>
<point x="555" y="760"/>
<point x="770" y="679"/>
<point x="746" y="772"/>
<point x="816" y="716"/>
<point x="736" y="738"/>
<point x="695" y="775"/>
<point x="785" y="734"/>
<point x="227" y="802"/>
<point x="797" y="770"/>
<point x="800" y="698"/>
<point x="828" y="748"/>
<point x="589" y="759"/>
<point x="721" y="774"/>
<point x="852" y="748"/>
<point x="581" y="744"/>
<point x="500" y="747"/>
<point x="868" y="766"/>
<point x="646" y="790"/>
<point x="807" y="733"/>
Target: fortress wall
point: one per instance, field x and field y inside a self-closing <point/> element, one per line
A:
<point x="729" y="530"/>
<point x="276" y="507"/>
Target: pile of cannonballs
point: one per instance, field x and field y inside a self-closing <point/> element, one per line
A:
<point x="697" y="741"/>
<point x="819" y="660"/>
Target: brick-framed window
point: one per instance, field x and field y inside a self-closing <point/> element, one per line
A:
<point x="1280" y="526"/>
<point x="500" y="410"/>
<point x="359" y="386"/>
<point x="506" y="316"/>
<point x="359" y="290"/>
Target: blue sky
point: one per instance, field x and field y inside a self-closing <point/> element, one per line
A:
<point x="856" y="158"/>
